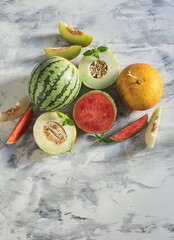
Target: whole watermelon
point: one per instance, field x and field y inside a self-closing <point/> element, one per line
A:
<point x="54" y="84"/>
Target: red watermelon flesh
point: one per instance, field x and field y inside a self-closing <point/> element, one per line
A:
<point x="130" y="130"/>
<point x="95" y="112"/>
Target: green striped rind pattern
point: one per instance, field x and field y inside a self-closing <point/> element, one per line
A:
<point x="54" y="84"/>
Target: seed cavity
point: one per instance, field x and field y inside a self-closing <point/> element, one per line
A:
<point x="59" y="49"/>
<point x="155" y="125"/>
<point x="74" y="32"/>
<point x="98" y="69"/>
<point x="11" y="111"/>
<point x="54" y="132"/>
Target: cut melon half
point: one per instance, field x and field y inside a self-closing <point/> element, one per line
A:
<point x="15" y="111"/>
<point x="51" y="135"/>
<point x="66" y="52"/>
<point x="152" y="128"/>
<point x="95" y="112"/>
<point x="74" y="37"/>
<point x="101" y="73"/>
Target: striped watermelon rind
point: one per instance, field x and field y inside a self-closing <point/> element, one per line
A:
<point x="54" y="84"/>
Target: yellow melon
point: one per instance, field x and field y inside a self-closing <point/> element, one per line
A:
<point x="139" y="86"/>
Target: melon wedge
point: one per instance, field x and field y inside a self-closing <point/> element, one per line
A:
<point x="74" y="37"/>
<point x="66" y="52"/>
<point x="152" y="128"/>
<point x="21" y="126"/>
<point x="15" y="111"/>
<point x="130" y="130"/>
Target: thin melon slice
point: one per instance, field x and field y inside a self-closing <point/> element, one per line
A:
<point x="130" y="130"/>
<point x="101" y="73"/>
<point x="21" y="126"/>
<point x="66" y="52"/>
<point x="74" y="37"/>
<point x="51" y="135"/>
<point x="15" y="111"/>
<point x="95" y="112"/>
<point x="152" y="128"/>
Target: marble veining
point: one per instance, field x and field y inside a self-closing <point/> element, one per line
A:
<point x="100" y="191"/>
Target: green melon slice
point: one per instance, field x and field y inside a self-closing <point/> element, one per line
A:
<point x="51" y="136"/>
<point x="130" y="130"/>
<point x="66" y="52"/>
<point x="107" y="61"/>
<point x="95" y="112"/>
<point x="152" y="128"/>
<point x="15" y="111"/>
<point x="74" y="37"/>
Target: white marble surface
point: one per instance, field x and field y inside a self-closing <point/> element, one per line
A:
<point x="100" y="191"/>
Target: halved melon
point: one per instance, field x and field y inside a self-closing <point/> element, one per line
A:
<point x="15" y="111"/>
<point x="130" y="130"/>
<point x="74" y="37"/>
<point x="66" y="52"/>
<point x="152" y="128"/>
<point x="101" y="73"/>
<point x="51" y="135"/>
<point x="95" y="112"/>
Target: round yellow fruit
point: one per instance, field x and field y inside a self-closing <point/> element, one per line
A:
<point x="139" y="86"/>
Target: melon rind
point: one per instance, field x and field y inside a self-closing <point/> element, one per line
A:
<point x="45" y="144"/>
<point x="19" y="109"/>
<point x="106" y="80"/>
<point x="150" y="137"/>
<point x="113" y="104"/>
<point x="66" y="52"/>
<point x="74" y="39"/>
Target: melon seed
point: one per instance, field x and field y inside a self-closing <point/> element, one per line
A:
<point x="54" y="132"/>
<point x="98" y="69"/>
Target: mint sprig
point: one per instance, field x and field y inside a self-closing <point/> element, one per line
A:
<point x="59" y="114"/>
<point x="68" y="121"/>
<point x="102" y="138"/>
<point x="94" y="51"/>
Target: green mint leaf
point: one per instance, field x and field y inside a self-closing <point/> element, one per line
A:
<point x="64" y="122"/>
<point x="102" y="48"/>
<point x="88" y="53"/>
<point x="59" y="114"/>
<point x="96" y="55"/>
<point x="70" y="121"/>
<point x="107" y="140"/>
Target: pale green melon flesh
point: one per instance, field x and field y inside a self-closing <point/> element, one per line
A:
<point x="66" y="52"/>
<point x="15" y="111"/>
<point x="152" y="128"/>
<point x="47" y="145"/>
<point x="106" y="80"/>
<point x="74" y="37"/>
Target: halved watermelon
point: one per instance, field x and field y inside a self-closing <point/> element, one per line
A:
<point x="130" y="130"/>
<point x="95" y="112"/>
